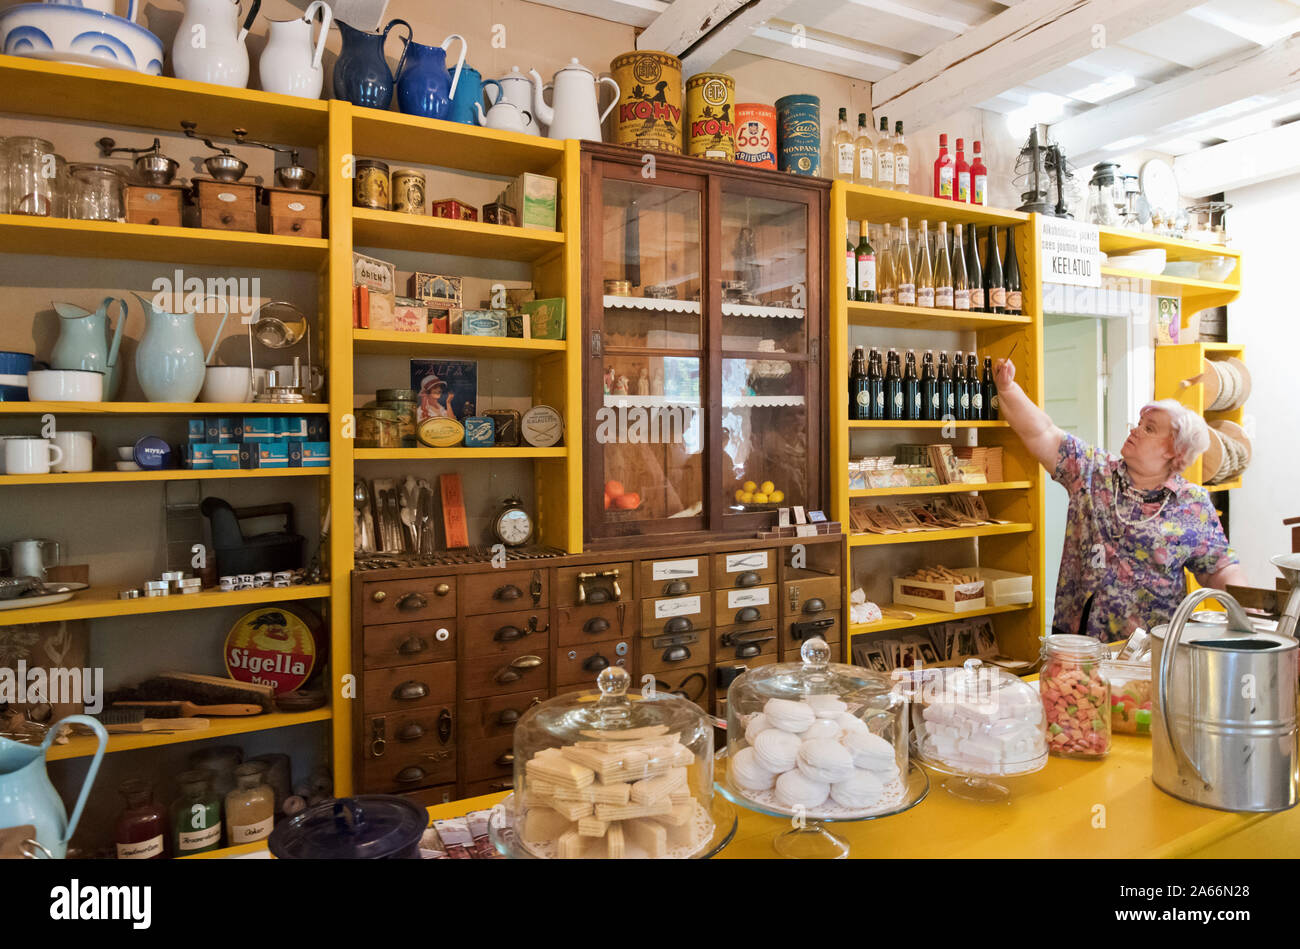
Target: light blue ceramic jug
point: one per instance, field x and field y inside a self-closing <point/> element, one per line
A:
<point x="169" y="361"/>
<point x="28" y="799"/>
<point x="83" y="342"/>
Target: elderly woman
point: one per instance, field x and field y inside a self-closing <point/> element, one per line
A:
<point x="1134" y="522"/>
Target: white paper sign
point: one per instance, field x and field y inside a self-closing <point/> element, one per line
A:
<point x="682" y="606"/>
<point x="754" y="560"/>
<point x="1071" y="252"/>
<point x="675" y="569"/>
<point x="753" y="597"/>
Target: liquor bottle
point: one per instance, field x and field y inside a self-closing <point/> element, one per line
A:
<point x="905" y="287"/>
<point x="979" y="179"/>
<point x="960" y="387"/>
<point x="995" y="293"/>
<point x="924" y="269"/>
<point x="842" y="151"/>
<point x="931" y="410"/>
<point x="886" y="280"/>
<point x="901" y="160"/>
<point x="865" y="174"/>
<point x="976" y="390"/>
<point x="943" y="171"/>
<point x="876" y="386"/>
<point x="947" y="401"/>
<point x="1011" y="281"/>
<point x="974" y="273"/>
<point x="990" y="391"/>
<point x="960" y="282"/>
<point x="962" y="171"/>
<point x="859" y="388"/>
<point x="884" y="157"/>
<point x="911" y="389"/>
<point x="944" y="286"/>
<point x="851" y="268"/>
<point x="866" y="266"/>
<point x="895" y="410"/>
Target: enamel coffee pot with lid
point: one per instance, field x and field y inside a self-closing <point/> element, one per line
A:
<point x="574" y="111"/>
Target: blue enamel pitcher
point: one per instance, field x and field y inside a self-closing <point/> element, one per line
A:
<point x="28" y="799"/>
<point x="424" y="86"/>
<point x="83" y="342"/>
<point x="361" y="75"/>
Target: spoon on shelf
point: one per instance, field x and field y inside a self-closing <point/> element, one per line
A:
<point x="362" y="501"/>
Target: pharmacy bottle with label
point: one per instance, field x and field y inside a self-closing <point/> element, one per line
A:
<point x="196" y="815"/>
<point x="141" y="831"/>
<point x="250" y="807"/>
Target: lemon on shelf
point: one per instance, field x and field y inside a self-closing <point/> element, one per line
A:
<point x="760" y="498"/>
<point x="750" y="486"/>
<point x="776" y="497"/>
<point x="740" y="495"/>
<point x="767" y="488"/>
<point x="746" y="497"/>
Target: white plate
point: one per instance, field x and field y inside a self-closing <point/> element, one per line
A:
<point x="23" y="602"/>
<point x="66" y="586"/>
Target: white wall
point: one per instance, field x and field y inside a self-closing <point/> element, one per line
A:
<point x="1264" y="320"/>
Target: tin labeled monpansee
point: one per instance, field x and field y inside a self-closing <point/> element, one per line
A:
<point x="799" y="135"/>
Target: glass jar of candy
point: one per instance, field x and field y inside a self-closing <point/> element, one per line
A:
<point x="1076" y="696"/>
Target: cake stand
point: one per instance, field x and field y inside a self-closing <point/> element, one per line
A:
<point x="976" y="786"/>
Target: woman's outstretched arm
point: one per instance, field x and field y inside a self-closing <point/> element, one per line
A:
<point x="1039" y="433"/>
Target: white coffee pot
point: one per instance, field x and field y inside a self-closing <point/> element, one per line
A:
<point x="290" y="64"/>
<point x="210" y="45"/>
<point x="574" y="111"/>
<point x="504" y="116"/>
<point x="516" y="88"/>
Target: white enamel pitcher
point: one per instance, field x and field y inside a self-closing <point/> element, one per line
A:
<point x="211" y="45"/>
<point x="574" y="111"/>
<point x="28" y="799"/>
<point x="291" y="64"/>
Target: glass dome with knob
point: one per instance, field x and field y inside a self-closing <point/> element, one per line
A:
<point x="613" y="774"/>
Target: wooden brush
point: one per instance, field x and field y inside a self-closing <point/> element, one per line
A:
<point x="189" y="709"/>
<point x="202" y="690"/>
<point x="132" y="720"/>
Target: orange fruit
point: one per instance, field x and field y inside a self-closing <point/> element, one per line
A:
<point x="614" y="488"/>
<point x="627" y="501"/>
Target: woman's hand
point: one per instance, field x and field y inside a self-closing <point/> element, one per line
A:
<point x="1004" y="373"/>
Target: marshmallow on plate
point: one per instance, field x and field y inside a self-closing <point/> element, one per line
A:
<point x="749" y="773"/>
<point x="788" y="716"/>
<point x="860" y="789"/>
<point x="794" y="789"/>
<point x="777" y="750"/>
<point x="825" y="761"/>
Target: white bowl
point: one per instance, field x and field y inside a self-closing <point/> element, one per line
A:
<point x="227" y="384"/>
<point x="1149" y="261"/>
<point x="68" y="34"/>
<point x="1183" y="268"/>
<point x="1217" y="269"/>
<point x="65" y="385"/>
<point x="128" y="466"/>
<point x="126" y="453"/>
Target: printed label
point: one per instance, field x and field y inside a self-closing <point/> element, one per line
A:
<point x="246" y="833"/>
<point x="887" y="295"/>
<point x="901" y="166"/>
<point x="754" y="560"/>
<point x="867" y="272"/>
<point x="739" y="598"/>
<point x="977" y="401"/>
<point x="981" y="188"/>
<point x="977" y="298"/>
<point x="866" y="163"/>
<point x="907" y="294"/>
<point x="885" y="165"/>
<point x="297" y="206"/>
<point x="144" y="850"/>
<point x="863" y="397"/>
<point x="682" y="606"/>
<point x="226" y="196"/>
<point x="925" y="296"/>
<point x="198" y="839"/>
<point x="943" y="297"/>
<point x="961" y="299"/>
<point x="916" y="404"/>
<point x="945" y="182"/>
<point x="997" y="297"/>
<point x="844" y="158"/>
<point x="880" y="403"/>
<point x="675" y="569"/>
<point x="965" y="400"/>
<point x="898" y="404"/>
<point x="850" y="265"/>
<point x="963" y="186"/>
<point x="1014" y="299"/>
<point x="153" y="196"/>
<point x="934" y="404"/>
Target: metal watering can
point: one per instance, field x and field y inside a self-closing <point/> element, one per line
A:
<point x="28" y="799"/>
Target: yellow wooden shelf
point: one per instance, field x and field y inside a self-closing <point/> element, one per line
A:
<point x="392" y="230"/>
<point x="223" y="853"/>
<point x="925" y="617"/>
<point x="83" y="746"/>
<point x="1117" y="241"/>
<point x="927" y="318"/>
<point x="940" y="489"/>
<point x="921" y="423"/>
<point x="99" y="602"/>
<point x="179" y="474"/>
<point x="883" y="207"/>
<point x="432" y="454"/>
<point x="1225" y="486"/>
<point x="956" y="533"/>
<point x="1196" y="294"/>
<point x="382" y="342"/>
<point x="162" y="408"/>
<point x="396" y="137"/>
<point x="121" y="97"/>
<point x="111" y="240"/>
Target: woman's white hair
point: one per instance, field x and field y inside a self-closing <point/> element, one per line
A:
<point x="1191" y="437"/>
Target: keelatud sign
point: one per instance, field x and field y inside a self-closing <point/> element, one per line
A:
<point x="1071" y="252"/>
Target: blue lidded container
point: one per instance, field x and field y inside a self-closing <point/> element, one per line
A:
<point x="13" y="375"/>
<point x="799" y="134"/>
<point x="152" y="453"/>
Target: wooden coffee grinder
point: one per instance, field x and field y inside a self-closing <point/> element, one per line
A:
<point x="224" y="201"/>
<point x="151" y="198"/>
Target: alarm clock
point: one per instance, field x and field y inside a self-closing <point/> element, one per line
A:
<point x="512" y="525"/>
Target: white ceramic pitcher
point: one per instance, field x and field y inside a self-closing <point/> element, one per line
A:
<point x="211" y="45"/>
<point x="516" y="88"/>
<point x="290" y="64"/>
<point x="574" y="111"/>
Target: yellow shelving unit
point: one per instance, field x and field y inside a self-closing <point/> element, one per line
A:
<point x="160" y="408"/>
<point x="180" y="474"/>
<point x="920" y="537"/>
<point x="925" y="618"/>
<point x="99" y="602"/>
<point x="385" y="343"/>
<point x="941" y="489"/>
<point x="82" y="746"/>
<point x="1175" y="365"/>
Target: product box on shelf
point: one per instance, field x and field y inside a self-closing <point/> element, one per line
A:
<point x="435" y="291"/>
<point x="545" y="318"/>
<point x="198" y="430"/>
<point x="1003" y="587"/>
<point x="535" y="196"/>
<point x="374" y="310"/>
<point x="410" y="316"/>
<point x="498" y="212"/>
<point x="945" y="597"/>
<point x="225" y="457"/>
<point x="517" y="326"/>
<point x="264" y="455"/>
<point x="483" y="323"/>
<point x="457" y="210"/>
<point x="260" y="428"/>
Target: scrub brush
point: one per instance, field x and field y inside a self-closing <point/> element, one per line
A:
<point x="199" y="689"/>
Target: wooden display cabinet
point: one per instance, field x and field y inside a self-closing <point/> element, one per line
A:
<point x="704" y="289"/>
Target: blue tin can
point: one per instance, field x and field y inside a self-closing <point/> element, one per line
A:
<point x="799" y="134"/>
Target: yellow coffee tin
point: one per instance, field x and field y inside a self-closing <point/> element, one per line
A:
<point x="711" y="116"/>
<point x="649" y="114"/>
<point x="440" y="432"/>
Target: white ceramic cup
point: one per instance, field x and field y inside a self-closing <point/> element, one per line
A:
<point x="65" y="385"/>
<point x="31" y="456"/>
<point x="227" y="384"/>
<point x="78" y="451"/>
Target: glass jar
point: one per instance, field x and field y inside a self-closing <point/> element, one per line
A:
<point x="1075" y="695"/>
<point x="250" y="807"/>
<point x="141" y="830"/>
<point x="32" y="173"/>
<point x="196" y="815"/>
<point x="378" y="428"/>
<point x="404" y="402"/>
<point x="1130" y="696"/>
<point x="221" y="761"/>
<point x="96" y="193"/>
<point x="1105" y="194"/>
<point x="612" y="774"/>
<point x="279" y="776"/>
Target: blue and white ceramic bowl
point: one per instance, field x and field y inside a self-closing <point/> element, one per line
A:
<point x="68" y="34"/>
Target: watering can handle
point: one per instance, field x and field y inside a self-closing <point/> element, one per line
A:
<point x="618" y="94"/>
<point x="216" y="339"/>
<point x="455" y="77"/>
<point x="406" y="43"/>
<point x="94" y="725"/>
<point x="327" y="15"/>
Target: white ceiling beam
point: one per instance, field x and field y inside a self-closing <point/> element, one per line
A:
<point x="905" y="12"/>
<point x="701" y="32"/>
<point x="1029" y="39"/>
<point x="816" y="51"/>
<point x="1264" y="156"/>
<point x="638" y="13"/>
<point x="1185" y="103"/>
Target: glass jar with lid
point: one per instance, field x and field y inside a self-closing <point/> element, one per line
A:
<point x="1075" y="696"/>
<point x="196" y="814"/>
<point x="96" y="192"/>
<point x="1106" y="194"/>
<point x="141" y="829"/>
<point x="610" y="774"/>
<point x="250" y="807"/>
<point x="378" y="428"/>
<point x="32" y="174"/>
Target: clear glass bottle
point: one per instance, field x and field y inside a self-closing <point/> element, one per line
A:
<point x="960" y="281"/>
<point x="250" y="807"/>
<point x="906" y="285"/>
<point x="196" y="815"/>
<point x="141" y="830"/>
<point x="886" y="278"/>
<point x="843" y="157"/>
<point x="865" y="148"/>
<point x="943" y="280"/>
<point x="1076" y="696"/>
<point x="851" y="269"/>
<point x="902" y="160"/>
<point x="924" y="269"/>
<point x="884" y="157"/>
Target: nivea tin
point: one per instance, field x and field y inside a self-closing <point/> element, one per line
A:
<point x="756" y="134"/>
<point x="711" y="124"/>
<point x="799" y="134"/>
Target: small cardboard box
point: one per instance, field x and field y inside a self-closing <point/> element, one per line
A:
<point x="457" y="210"/>
<point x="410" y="316"/>
<point x="434" y="290"/>
<point x="536" y="199"/>
<point x="943" y="597"/>
<point x="373" y="273"/>
<point x="545" y="317"/>
<point x="1003" y="587"/>
<point x="483" y="323"/>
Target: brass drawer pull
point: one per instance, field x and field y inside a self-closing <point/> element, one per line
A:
<point x="409" y="602"/>
<point x="815" y="605"/>
<point x="596" y="625"/>
<point x="748" y="579"/>
<point x="410" y="691"/>
<point x="508" y="717"/>
<point x="410" y="775"/>
<point x="413" y="645"/>
<point x="412" y="732"/>
<point x="508" y="592"/>
<point x="748" y="614"/>
<point x="442" y="589"/>
<point x="515" y="671"/>
<point x="444" y="726"/>
<point x="506" y="759"/>
<point x="508" y="634"/>
<point x="595" y="663"/>
<point x="676" y="587"/>
<point x="379" y="596"/>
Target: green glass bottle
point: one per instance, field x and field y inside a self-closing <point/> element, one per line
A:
<point x="196" y="815"/>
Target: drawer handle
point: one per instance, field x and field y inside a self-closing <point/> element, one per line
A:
<point x="508" y="634"/>
<point x="595" y="663"/>
<point x="502" y="786"/>
<point x="410" y="775"/>
<point x="408" y="602"/>
<point x="508" y="717"/>
<point x="748" y="614"/>
<point x="598" y="596"/>
<point x="763" y="635"/>
<point x="379" y="596"/>
<point x="748" y="651"/>
<point x="515" y="671"/>
<point x="676" y="654"/>
<point x="442" y="589"/>
<point x="676" y="587"/>
<point x="533" y="627"/>
<point x="748" y="579"/>
<point x="444" y="726"/>
<point x="815" y="605"/>
<point x="678" y="624"/>
<point x="412" y="732"/>
<point x="413" y="645"/>
<point x="596" y="625"/>
<point x="506" y="759"/>
<point x="410" y="691"/>
<point x="508" y="592"/>
<point x="535" y="587"/>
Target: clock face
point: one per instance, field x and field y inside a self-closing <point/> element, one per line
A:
<point x="514" y="527"/>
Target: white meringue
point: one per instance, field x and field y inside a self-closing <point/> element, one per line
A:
<point x="870" y="752"/>
<point x="759" y="723"/>
<point x="826" y="706"/>
<point x="748" y="773"/>
<point x="860" y="789"/>
<point x="823" y="728"/>
<point x="777" y="750"/>
<point x="789" y="716"/>
<point x="825" y="761"/>
<point x="794" y="789"/>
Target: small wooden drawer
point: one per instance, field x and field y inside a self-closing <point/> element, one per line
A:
<point x="402" y="601"/>
<point x="226" y="206"/>
<point x="798" y="595"/>
<point x="676" y="614"/>
<point x="832" y="633"/>
<point x="295" y="213"/>
<point x="522" y="669"/>
<point x="401" y="771"/>
<point x="154" y="204"/>
<point x="583" y="624"/>
<point x="505" y="634"/>
<point x="693" y="681"/>
<point x="388" y="690"/>
<point x="739" y="643"/>
<point x="580" y="665"/>
<point x="490" y="758"/>
<point x="744" y="605"/>
<point x="490" y="786"/>
<point x="431" y="797"/>
<point x="674" y="577"/>
<point x="405" y="732"/>
<point x="744" y="568"/>
<point x="497" y="591"/>
<point x="489" y="718"/>
<point x="401" y="644"/>
<point x="673" y="652"/>
<point x="595" y="583"/>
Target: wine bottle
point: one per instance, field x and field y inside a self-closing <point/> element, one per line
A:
<point x="990" y="391"/>
<point x="851" y="268"/>
<point x="842" y="151"/>
<point x="947" y="401"/>
<point x="901" y="159"/>
<point x="884" y="157"/>
<point x="974" y="273"/>
<point x="944" y="170"/>
<point x="962" y="172"/>
<point x="885" y="278"/>
<point x="894" y="407"/>
<point x="876" y="386"/>
<point x="944" y="286"/>
<point x="911" y="389"/>
<point x="859" y="389"/>
<point x="960" y="282"/>
<point x="906" y="274"/>
<point x="995" y="293"/>
<point x="976" y="390"/>
<point x="924" y="269"/>
<point x="1012" y="280"/>
<point x="979" y="179"/>
<point x="960" y="387"/>
<point x="930" y="408"/>
<point x="866" y="152"/>
<point x="866" y="266"/>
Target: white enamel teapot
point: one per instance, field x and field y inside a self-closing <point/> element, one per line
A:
<point x="517" y="89"/>
<point x="574" y="111"/>
<point x="505" y="117"/>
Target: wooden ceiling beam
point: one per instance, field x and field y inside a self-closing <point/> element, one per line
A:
<point x="701" y="32"/>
